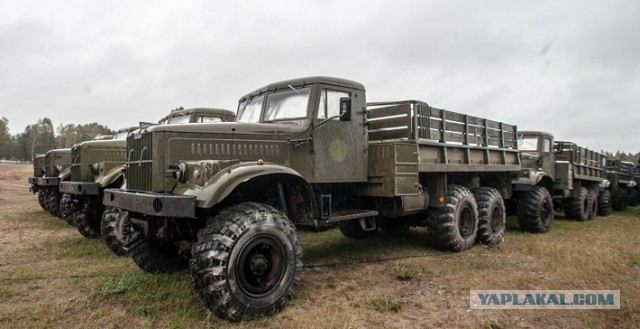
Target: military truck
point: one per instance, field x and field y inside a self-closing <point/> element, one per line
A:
<point x="226" y="198"/>
<point x="561" y="175"/>
<point x="38" y="171"/>
<point x="623" y="186"/>
<point x="96" y="164"/>
<point x="99" y="164"/>
<point x="56" y="169"/>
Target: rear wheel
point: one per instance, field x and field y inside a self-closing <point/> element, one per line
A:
<point x="455" y="226"/>
<point x="578" y="207"/>
<point x="491" y="215"/>
<point x="604" y="203"/>
<point x="246" y="262"/>
<point x="535" y="210"/>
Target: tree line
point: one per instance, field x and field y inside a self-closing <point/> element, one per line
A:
<point x="40" y="137"/>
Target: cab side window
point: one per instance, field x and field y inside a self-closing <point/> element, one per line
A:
<point x="330" y="103"/>
<point x="546" y="145"/>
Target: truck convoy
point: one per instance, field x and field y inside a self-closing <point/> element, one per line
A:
<point x="224" y="198"/>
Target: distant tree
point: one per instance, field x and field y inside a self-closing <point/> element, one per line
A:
<point x="71" y="134"/>
<point x="5" y="138"/>
<point x="37" y="138"/>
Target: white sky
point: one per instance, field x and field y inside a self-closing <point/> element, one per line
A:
<point x="569" y="67"/>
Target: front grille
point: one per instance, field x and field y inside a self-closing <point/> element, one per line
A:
<point x="139" y="165"/>
<point x="76" y="163"/>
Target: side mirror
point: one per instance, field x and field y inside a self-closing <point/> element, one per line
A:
<point x="345" y="109"/>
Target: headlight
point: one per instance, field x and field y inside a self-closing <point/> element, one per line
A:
<point x="179" y="171"/>
<point x="94" y="168"/>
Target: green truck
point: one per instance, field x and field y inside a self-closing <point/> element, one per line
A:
<point x="57" y="165"/>
<point x="99" y="164"/>
<point x="95" y="165"/>
<point x="562" y="175"/>
<point x="225" y="198"/>
<point x="623" y="185"/>
<point x="38" y="171"/>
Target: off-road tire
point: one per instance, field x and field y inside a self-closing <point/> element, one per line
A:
<point x="535" y="210"/>
<point x="492" y="217"/>
<point x="352" y="229"/>
<point x="633" y="198"/>
<point x="604" y="203"/>
<point x="455" y="226"/>
<point x="233" y="268"/>
<point x="157" y="256"/>
<point x="87" y="220"/>
<point x="593" y="205"/>
<point x="53" y="202"/>
<point x="68" y="208"/>
<point x="578" y="207"/>
<point x="115" y="228"/>
<point x="42" y="200"/>
<point x="620" y="199"/>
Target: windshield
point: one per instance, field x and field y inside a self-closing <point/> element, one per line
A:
<point x="183" y="118"/>
<point x="527" y="143"/>
<point x="121" y="135"/>
<point x="282" y="105"/>
<point x="209" y="119"/>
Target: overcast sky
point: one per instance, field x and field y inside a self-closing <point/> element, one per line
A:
<point x="569" y="67"/>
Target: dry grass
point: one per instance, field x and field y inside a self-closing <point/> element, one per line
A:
<point x="51" y="277"/>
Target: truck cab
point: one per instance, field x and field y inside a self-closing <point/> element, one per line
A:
<point x="326" y="120"/>
<point x="538" y="160"/>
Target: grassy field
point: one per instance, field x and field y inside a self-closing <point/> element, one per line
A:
<point x="52" y="277"/>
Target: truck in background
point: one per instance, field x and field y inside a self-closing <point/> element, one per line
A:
<point x="562" y="175"/>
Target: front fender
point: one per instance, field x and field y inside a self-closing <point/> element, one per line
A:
<point x="224" y="182"/>
<point x="111" y="176"/>
<point x="65" y="174"/>
<point x="530" y="177"/>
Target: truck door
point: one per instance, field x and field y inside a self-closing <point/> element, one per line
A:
<point x="339" y="146"/>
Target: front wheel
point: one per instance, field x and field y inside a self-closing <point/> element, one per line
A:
<point x="87" y="220"/>
<point x="604" y="203"/>
<point x="42" y="200"/>
<point x="246" y="262"/>
<point x="535" y="210"/>
<point x="116" y="229"/>
<point x="620" y="198"/>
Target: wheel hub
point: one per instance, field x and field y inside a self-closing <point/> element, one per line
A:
<point x="258" y="264"/>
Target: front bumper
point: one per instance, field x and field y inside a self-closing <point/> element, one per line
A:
<point x="153" y="204"/>
<point x="48" y="181"/>
<point x="80" y="188"/>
